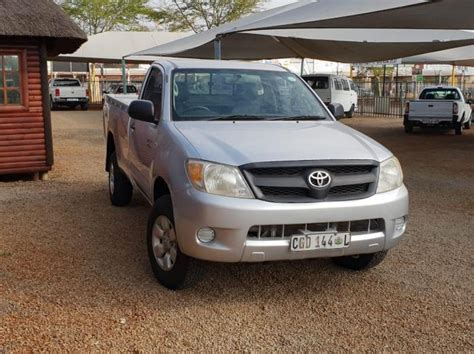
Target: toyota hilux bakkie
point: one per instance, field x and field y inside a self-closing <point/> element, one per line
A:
<point x="242" y="162"/>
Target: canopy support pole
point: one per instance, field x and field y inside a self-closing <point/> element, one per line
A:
<point x="124" y="75"/>
<point x="302" y="67"/>
<point x="396" y="83"/>
<point x="217" y="48"/>
<point x="453" y="76"/>
<point x="383" y="80"/>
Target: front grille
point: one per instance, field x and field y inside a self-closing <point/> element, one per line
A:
<point x="288" y="181"/>
<point x="270" y="232"/>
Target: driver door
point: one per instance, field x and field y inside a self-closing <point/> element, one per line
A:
<point x="144" y="135"/>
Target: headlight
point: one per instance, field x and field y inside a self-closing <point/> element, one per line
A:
<point x="390" y="176"/>
<point x="217" y="179"/>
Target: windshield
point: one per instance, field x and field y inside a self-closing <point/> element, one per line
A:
<point x="66" y="83"/>
<point x="214" y="94"/>
<point x="439" y="94"/>
<point x="318" y="82"/>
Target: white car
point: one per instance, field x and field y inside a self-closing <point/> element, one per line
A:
<point x="335" y="89"/>
<point x="69" y="93"/>
<point x="441" y="106"/>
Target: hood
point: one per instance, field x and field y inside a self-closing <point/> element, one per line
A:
<point x="241" y="142"/>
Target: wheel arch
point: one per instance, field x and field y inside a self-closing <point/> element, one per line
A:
<point x="160" y="188"/>
<point x="110" y="150"/>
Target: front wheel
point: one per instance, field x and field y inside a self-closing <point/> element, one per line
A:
<point x="468" y="124"/>
<point x="360" y="261"/>
<point x="350" y="113"/>
<point x="171" y="267"/>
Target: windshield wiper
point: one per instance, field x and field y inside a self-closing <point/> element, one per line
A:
<point x="240" y="117"/>
<point x="302" y="117"/>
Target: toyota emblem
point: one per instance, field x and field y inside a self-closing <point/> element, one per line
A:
<point x="319" y="179"/>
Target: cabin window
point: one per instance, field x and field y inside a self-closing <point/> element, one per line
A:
<point x="10" y="79"/>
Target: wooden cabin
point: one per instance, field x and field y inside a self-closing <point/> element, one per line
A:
<point x="30" y="32"/>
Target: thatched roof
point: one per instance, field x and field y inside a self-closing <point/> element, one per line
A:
<point x="40" y="19"/>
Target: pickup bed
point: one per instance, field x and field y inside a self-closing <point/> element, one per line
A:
<point x="242" y="162"/>
<point x="439" y="106"/>
<point x="68" y="93"/>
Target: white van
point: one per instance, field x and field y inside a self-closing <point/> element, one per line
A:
<point x="335" y="89"/>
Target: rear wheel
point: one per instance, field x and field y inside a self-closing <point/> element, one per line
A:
<point x="408" y="127"/>
<point x="360" y="261"/>
<point x="120" y="188"/>
<point x="84" y="106"/>
<point x="171" y="267"/>
<point x="52" y="106"/>
<point x="458" y="128"/>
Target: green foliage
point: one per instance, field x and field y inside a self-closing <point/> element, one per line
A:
<point x="199" y="15"/>
<point x="96" y="16"/>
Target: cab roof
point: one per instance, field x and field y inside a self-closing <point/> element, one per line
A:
<point x="184" y="63"/>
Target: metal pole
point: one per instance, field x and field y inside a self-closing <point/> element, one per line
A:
<point x="383" y="80"/>
<point x="453" y="76"/>
<point x="302" y="67"/>
<point x="217" y="48"/>
<point x="124" y="76"/>
<point x="396" y="83"/>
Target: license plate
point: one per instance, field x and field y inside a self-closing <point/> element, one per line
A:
<point x="433" y="121"/>
<point x="73" y="99"/>
<point x="320" y="241"/>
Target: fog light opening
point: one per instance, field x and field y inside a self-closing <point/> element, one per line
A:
<point x="206" y="235"/>
<point x="400" y="223"/>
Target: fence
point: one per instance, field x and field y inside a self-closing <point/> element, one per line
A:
<point x="378" y="101"/>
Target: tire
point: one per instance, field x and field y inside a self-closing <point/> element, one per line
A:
<point x="173" y="269"/>
<point x="52" y="106"/>
<point x="84" y="106"/>
<point x="458" y="128"/>
<point x="468" y="124"/>
<point x="120" y="188"/>
<point x="361" y="261"/>
<point x="408" y="128"/>
<point x="350" y="113"/>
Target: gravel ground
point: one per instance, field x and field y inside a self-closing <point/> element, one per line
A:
<point x="74" y="273"/>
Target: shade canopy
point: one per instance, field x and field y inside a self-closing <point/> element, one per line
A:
<point x="409" y="14"/>
<point x="341" y="45"/>
<point x="463" y="56"/>
<point x="110" y="47"/>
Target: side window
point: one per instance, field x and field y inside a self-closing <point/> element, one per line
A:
<point x="353" y="86"/>
<point x="337" y="84"/>
<point x="153" y="90"/>
<point x="345" y="84"/>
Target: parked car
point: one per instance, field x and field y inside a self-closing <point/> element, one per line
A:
<point x="242" y="162"/>
<point x="441" y="106"/>
<point x="69" y="93"/>
<point x="335" y="89"/>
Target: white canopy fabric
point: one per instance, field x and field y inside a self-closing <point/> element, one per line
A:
<point x="463" y="56"/>
<point x="110" y="47"/>
<point x="406" y="14"/>
<point x="341" y="45"/>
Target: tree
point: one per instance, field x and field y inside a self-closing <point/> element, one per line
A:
<point x="97" y="16"/>
<point x="201" y="15"/>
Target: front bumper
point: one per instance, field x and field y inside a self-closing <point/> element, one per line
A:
<point x="231" y="219"/>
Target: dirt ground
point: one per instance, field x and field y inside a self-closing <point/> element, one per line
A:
<point x="74" y="273"/>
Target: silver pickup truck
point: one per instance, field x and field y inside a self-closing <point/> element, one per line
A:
<point x="242" y="162"/>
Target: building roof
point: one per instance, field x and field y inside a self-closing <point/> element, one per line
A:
<point x="111" y="47"/>
<point x="40" y="19"/>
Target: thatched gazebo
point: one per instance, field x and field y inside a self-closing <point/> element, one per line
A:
<point x="30" y="31"/>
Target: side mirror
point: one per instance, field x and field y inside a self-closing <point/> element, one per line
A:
<point x="142" y="110"/>
<point x="105" y="92"/>
<point x="469" y="101"/>
<point x="337" y="110"/>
